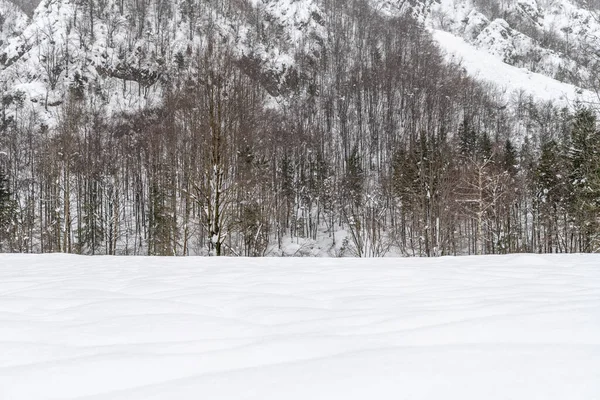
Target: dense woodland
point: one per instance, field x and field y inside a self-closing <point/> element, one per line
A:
<point x="373" y="143"/>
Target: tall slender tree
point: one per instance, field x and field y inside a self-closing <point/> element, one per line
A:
<point x="7" y="210"/>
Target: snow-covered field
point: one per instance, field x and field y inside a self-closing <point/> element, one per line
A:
<point x="499" y="327"/>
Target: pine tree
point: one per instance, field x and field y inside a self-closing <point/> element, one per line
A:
<point x="584" y="196"/>
<point x="547" y="174"/>
<point x="6" y="209"/>
<point x="550" y="194"/>
<point x="484" y="149"/>
<point x="509" y="159"/>
<point x="467" y="140"/>
<point x="354" y="179"/>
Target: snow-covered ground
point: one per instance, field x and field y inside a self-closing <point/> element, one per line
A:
<point x="488" y="68"/>
<point x="499" y="327"/>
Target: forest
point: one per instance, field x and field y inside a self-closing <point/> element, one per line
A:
<point x="372" y="143"/>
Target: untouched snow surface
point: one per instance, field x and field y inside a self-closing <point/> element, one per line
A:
<point x="499" y="327"/>
<point x="488" y="68"/>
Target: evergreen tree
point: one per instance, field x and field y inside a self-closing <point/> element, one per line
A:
<point x="406" y="178"/>
<point x="584" y="196"/>
<point x="354" y="183"/>
<point x="548" y="175"/>
<point x="484" y="147"/>
<point x="550" y="194"/>
<point x="467" y="140"/>
<point x="7" y="209"/>
<point x="354" y="179"/>
<point x="509" y="159"/>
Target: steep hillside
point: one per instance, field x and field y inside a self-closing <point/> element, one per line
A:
<point x="558" y="39"/>
<point x="13" y="22"/>
<point x="119" y="53"/>
<point x="117" y="50"/>
<point x="27" y="6"/>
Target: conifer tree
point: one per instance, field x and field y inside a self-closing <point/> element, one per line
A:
<point x="6" y="209"/>
<point x="485" y="147"/>
<point x="584" y="196"/>
<point x="467" y="139"/>
<point x="550" y="193"/>
<point x="509" y="159"/>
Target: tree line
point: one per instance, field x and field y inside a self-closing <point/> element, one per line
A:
<point x="374" y="142"/>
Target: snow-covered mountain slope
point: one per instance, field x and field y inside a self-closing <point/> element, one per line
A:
<point x="118" y="55"/>
<point x="511" y="80"/>
<point x="123" y="54"/>
<point x="12" y="22"/>
<point x="470" y="328"/>
<point x="558" y="39"/>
